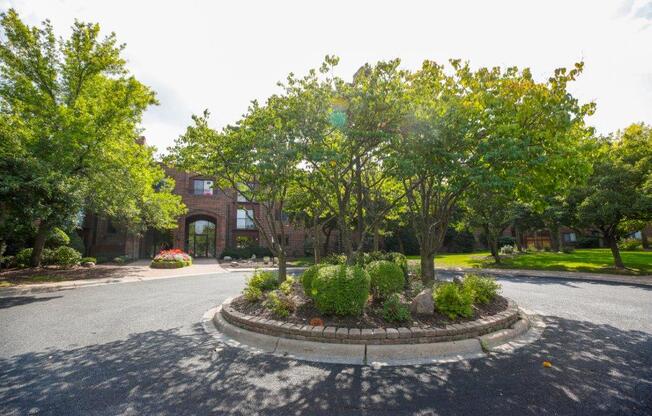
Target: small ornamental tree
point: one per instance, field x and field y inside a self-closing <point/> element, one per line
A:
<point x="69" y="112"/>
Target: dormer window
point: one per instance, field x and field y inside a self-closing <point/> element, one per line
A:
<point x="202" y="187"/>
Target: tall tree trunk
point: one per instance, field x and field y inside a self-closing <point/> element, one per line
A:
<point x="316" y="245"/>
<point x="327" y="242"/>
<point x="427" y="265"/>
<point x="39" y="243"/>
<point x="282" y="266"/>
<point x="401" y="247"/>
<point x="518" y="238"/>
<point x="615" y="251"/>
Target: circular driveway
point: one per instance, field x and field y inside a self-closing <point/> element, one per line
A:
<point x="139" y="348"/>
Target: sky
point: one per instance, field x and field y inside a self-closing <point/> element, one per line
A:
<point x="220" y="55"/>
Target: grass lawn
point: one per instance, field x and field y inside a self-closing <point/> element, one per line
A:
<point x="583" y="260"/>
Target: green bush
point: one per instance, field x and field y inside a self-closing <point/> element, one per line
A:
<point x="386" y="278"/>
<point x="630" y="244"/>
<point x="88" y="260"/>
<point x="453" y="300"/>
<point x="47" y="257"/>
<point x="286" y="286"/>
<point x="252" y="293"/>
<point x="263" y="280"/>
<point x="246" y="252"/>
<point x="66" y="256"/>
<point x="506" y="241"/>
<point x="23" y="257"/>
<point x="395" y="311"/>
<point x="57" y="238"/>
<point x="484" y="288"/>
<point x="334" y="259"/>
<point x="568" y="249"/>
<point x="279" y="304"/>
<point x="342" y="290"/>
<point x="308" y="276"/>
<point x="164" y="264"/>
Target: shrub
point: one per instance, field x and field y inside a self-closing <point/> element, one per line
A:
<point x="508" y="249"/>
<point x="568" y="249"/>
<point x="587" y="242"/>
<point x="23" y="257"/>
<point x="629" y="244"/>
<point x="47" y="257"/>
<point x="279" y="304"/>
<point x="453" y="300"/>
<point x="308" y="276"/>
<point x="88" y="260"/>
<point x="252" y="293"/>
<point x="7" y="261"/>
<point x="484" y="288"/>
<point x="286" y="286"/>
<point x="57" y="238"/>
<point x="395" y="311"/>
<point x="342" y="289"/>
<point x="386" y="278"/>
<point x="66" y="256"/>
<point x="246" y="252"/>
<point x="263" y="280"/>
<point x="334" y="259"/>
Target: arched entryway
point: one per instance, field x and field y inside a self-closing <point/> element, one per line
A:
<point x="201" y="236"/>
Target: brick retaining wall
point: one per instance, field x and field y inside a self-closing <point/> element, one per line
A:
<point x="384" y="336"/>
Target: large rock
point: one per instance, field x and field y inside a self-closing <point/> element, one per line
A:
<point x="423" y="304"/>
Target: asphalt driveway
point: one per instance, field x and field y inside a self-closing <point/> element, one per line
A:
<point x="138" y="348"/>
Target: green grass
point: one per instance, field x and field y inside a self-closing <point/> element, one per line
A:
<point x="596" y="260"/>
<point x="301" y="262"/>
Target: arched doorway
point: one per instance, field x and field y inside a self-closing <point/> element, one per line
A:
<point x="200" y="236"/>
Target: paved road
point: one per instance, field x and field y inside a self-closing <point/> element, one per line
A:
<point x="138" y="348"/>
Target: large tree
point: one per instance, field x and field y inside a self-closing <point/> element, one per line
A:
<point x="617" y="195"/>
<point x="256" y="159"/>
<point x="490" y="133"/>
<point x="69" y="112"/>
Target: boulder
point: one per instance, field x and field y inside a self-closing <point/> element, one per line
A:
<point x="227" y="258"/>
<point x="234" y="264"/>
<point x="423" y="304"/>
<point x="88" y="264"/>
<point x="457" y="280"/>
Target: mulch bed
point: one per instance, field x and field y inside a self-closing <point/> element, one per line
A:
<point x="371" y="318"/>
<point x="59" y="274"/>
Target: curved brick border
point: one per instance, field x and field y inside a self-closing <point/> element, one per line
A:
<point x="378" y="336"/>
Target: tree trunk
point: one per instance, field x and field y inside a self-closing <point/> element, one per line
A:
<point x="376" y="238"/>
<point x="427" y="266"/>
<point x="615" y="251"/>
<point x="561" y="241"/>
<point x="401" y="247"/>
<point x="39" y="244"/>
<point x="282" y="266"/>
<point x="316" y="245"/>
<point x="644" y="240"/>
<point x="493" y="246"/>
<point x="327" y="243"/>
<point x="518" y="237"/>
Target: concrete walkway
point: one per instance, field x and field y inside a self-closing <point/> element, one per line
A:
<point x="136" y="271"/>
<point x="594" y="277"/>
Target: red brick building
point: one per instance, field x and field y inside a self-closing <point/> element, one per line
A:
<point x="215" y="220"/>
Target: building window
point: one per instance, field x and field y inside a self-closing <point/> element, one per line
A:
<point x="245" y="219"/>
<point x="242" y="190"/>
<point x="637" y="235"/>
<point x="570" y="237"/>
<point x="202" y="187"/>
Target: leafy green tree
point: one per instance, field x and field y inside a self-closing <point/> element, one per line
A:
<point x="617" y="197"/>
<point x="257" y="159"/>
<point x="68" y="116"/>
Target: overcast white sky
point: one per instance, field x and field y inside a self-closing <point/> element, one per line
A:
<point x="221" y="55"/>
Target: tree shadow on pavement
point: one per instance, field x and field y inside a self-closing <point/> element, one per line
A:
<point x="597" y="369"/>
<point x="10" y="302"/>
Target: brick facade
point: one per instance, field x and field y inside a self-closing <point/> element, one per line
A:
<point x="218" y="207"/>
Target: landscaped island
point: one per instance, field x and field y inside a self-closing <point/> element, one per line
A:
<point x="375" y="293"/>
<point x="171" y="259"/>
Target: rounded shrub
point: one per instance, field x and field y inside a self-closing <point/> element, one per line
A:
<point x="341" y="290"/>
<point x="308" y="276"/>
<point x="252" y="293"/>
<point x="279" y="304"/>
<point x="484" y="288"/>
<point x="88" y="260"/>
<point x="453" y="300"/>
<point x="386" y="277"/>
<point x="23" y="257"/>
<point x="263" y="280"/>
<point x="57" y="238"/>
<point x="66" y="256"/>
